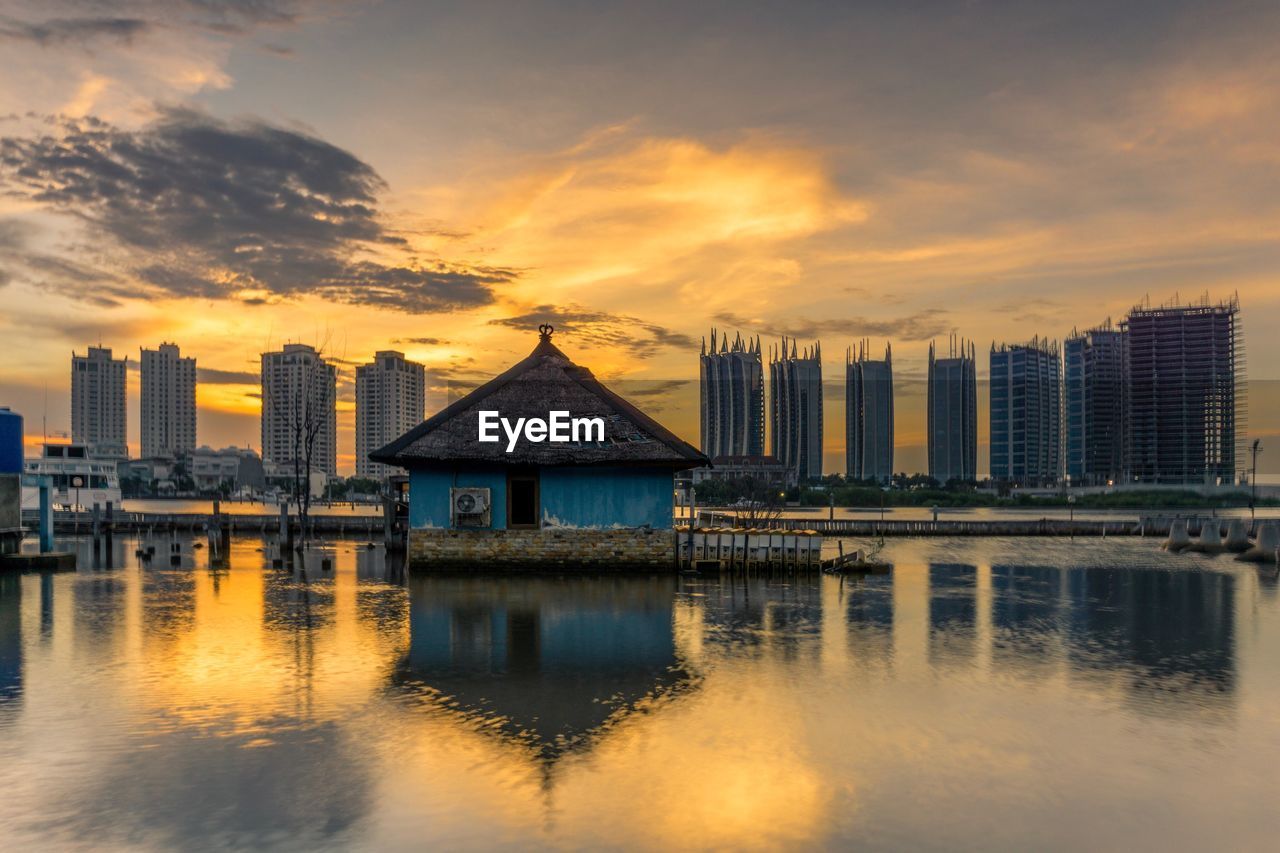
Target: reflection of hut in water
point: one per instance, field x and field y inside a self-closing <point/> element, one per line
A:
<point x="551" y="663"/>
<point x="953" y="611"/>
<point x="10" y="640"/>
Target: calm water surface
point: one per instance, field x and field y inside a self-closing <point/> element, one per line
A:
<point x="991" y="694"/>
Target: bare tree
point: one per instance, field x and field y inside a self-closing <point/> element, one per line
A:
<point x="317" y="397"/>
<point x="304" y="404"/>
<point x="761" y="501"/>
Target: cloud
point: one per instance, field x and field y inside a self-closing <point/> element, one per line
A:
<point x="599" y="329"/>
<point x="922" y="325"/>
<point x="1039" y="310"/>
<point x="52" y="272"/>
<point x="205" y="208"/>
<point x="657" y="395"/>
<point x="214" y="376"/>
<point x="136" y="17"/>
<point x="58" y="31"/>
<point x="426" y="342"/>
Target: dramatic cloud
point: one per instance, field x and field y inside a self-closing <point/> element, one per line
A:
<point x="203" y="208"/>
<point x="78" y="30"/>
<point x="921" y="326"/>
<point x="19" y="261"/>
<point x="134" y="17"/>
<point x="599" y="329"/>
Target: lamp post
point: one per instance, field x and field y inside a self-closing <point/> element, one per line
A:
<point x="77" y="482"/>
<point x="1253" y="481"/>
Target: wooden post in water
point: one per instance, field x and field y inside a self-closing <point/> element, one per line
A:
<point x="107" y="530"/>
<point x="286" y="532"/>
<point x="46" y="514"/>
<point x="219" y="537"/>
<point x="95" y="526"/>
<point x="693" y="518"/>
<point x="389" y="522"/>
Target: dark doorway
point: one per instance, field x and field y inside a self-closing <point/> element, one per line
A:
<point x="522" y="500"/>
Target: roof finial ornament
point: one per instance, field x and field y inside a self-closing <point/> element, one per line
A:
<point x="545" y="331"/>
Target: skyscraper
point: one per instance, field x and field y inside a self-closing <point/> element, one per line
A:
<point x="299" y="403"/>
<point x="732" y="397"/>
<point x="953" y="413"/>
<point x="390" y="401"/>
<point x="99" y="386"/>
<point x="1183" y="384"/>
<point x="1094" y="405"/>
<point x="1026" y="414"/>
<point x="869" y="415"/>
<point x="168" y="421"/>
<point x="796" y="408"/>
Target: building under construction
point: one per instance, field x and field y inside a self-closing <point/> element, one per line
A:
<point x="1026" y="413"/>
<point x="1185" y="386"/>
<point x="1094" y="406"/>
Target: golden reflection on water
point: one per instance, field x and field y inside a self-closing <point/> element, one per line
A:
<point x="990" y="693"/>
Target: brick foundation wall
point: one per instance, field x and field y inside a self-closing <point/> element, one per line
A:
<point x="552" y="549"/>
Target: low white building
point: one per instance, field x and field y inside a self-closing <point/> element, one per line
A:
<point x="240" y="467"/>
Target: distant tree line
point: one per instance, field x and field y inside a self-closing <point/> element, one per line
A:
<point x="923" y="490"/>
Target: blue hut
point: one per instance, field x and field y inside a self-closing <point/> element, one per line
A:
<point x="541" y="467"/>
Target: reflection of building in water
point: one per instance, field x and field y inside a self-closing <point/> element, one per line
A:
<point x="381" y="600"/>
<point x="953" y="611"/>
<point x="554" y="662"/>
<point x="100" y="601"/>
<point x="300" y="598"/>
<point x="784" y="616"/>
<point x="10" y="641"/>
<point x="1025" y="606"/>
<point x="1165" y="633"/>
<point x="168" y="603"/>
<point x="870" y="615"/>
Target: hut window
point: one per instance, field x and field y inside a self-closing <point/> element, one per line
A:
<point x="522" y="500"/>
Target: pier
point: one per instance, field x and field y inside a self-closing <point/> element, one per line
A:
<point x="1147" y="525"/>
<point x="70" y="523"/>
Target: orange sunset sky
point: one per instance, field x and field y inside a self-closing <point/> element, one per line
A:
<point x="440" y="178"/>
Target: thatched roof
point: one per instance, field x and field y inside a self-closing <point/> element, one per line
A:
<point x="545" y="381"/>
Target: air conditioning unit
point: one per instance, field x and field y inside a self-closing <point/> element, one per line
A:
<point x="470" y="506"/>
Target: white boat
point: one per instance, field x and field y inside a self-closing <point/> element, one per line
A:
<point x="80" y="479"/>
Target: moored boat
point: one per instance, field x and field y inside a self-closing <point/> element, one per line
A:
<point x="79" y="478"/>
